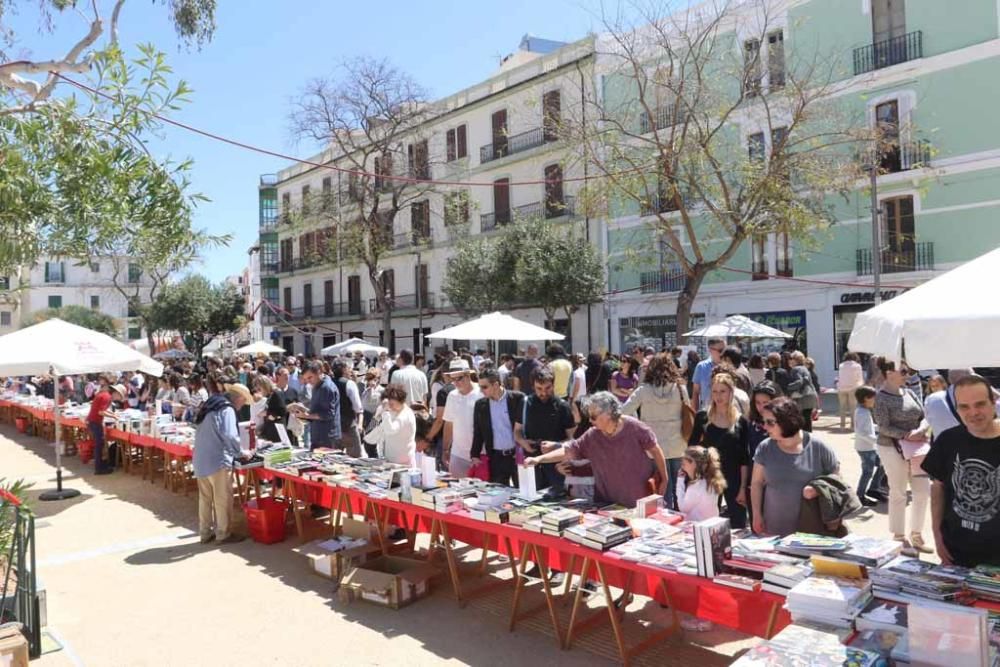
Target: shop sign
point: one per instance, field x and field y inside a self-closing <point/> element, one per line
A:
<point x="866" y="297"/>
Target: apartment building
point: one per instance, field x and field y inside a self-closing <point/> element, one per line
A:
<point x="496" y="145"/>
<point x="922" y="70"/>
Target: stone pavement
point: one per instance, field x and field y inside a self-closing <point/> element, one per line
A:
<point x="128" y="584"/>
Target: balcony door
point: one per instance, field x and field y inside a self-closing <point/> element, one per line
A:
<point x="501" y="201"/>
<point x="499" y="125"/>
<point x="888" y="19"/>
<point x="900" y="231"/>
<point x="887" y="121"/>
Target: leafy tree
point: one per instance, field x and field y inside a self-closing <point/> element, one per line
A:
<point x="480" y="275"/>
<point x="198" y="310"/>
<point x="667" y="135"/>
<point x="78" y="315"/>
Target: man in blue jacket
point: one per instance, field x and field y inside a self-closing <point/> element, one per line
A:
<point x="216" y="445"/>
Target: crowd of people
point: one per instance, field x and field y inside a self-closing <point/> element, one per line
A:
<point x="724" y="434"/>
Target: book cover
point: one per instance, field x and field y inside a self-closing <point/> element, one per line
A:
<point x="883" y="615"/>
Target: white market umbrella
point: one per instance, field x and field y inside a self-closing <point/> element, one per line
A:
<point x="496" y="326"/>
<point x="948" y="322"/>
<point x="260" y="347"/>
<point x="60" y="348"/>
<point x="737" y="326"/>
<point x="352" y="345"/>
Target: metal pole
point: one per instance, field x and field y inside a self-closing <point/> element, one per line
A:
<point x="59" y="493"/>
<point x="419" y="342"/>
<point x="876" y="228"/>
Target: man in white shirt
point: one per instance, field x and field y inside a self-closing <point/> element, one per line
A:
<point x="385" y="365"/>
<point x="411" y="378"/>
<point x="459" y="413"/>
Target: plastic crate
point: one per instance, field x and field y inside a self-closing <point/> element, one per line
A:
<point x="85" y="448"/>
<point x="21" y="423"/>
<point x="266" y="520"/>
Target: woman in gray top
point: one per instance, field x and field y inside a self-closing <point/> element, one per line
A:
<point x="784" y="464"/>
<point x="899" y="414"/>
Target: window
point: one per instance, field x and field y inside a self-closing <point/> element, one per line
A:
<point x="420" y="282"/>
<point x="899" y="229"/>
<point x="307" y="300"/>
<point x="55" y="272"/>
<point x="555" y="203"/>
<point x="134" y="333"/>
<point x="888" y="19"/>
<point x="134" y="273"/>
<point x="307" y="247"/>
<point x="327" y="200"/>
<point x="288" y="342"/>
<point x="95" y="267"/>
<point x="287" y="300"/>
<point x="55" y="301"/>
<point x="354" y="295"/>
<point x="130" y="309"/>
<point x="751" y="67"/>
<point x="456" y="208"/>
<point x="4" y="282"/>
<point x="887" y="124"/>
<point x="353" y="187"/>
<point x="420" y="220"/>
<point x="383" y="169"/>
<point x="5" y="319"/>
<point x="305" y="200"/>
<point x="783" y="254"/>
<point x="776" y="60"/>
<point x="328" y="298"/>
<point x="286" y="207"/>
<point x="758" y="252"/>
<point x="95" y="302"/>
<point x="501" y="200"/>
<point x="388" y="284"/>
<point x="756" y="147"/>
<point x="498" y="122"/>
<point x="456" y="144"/>
<point x="551" y="115"/>
<point x="417" y="155"/>
<point x="285" y="257"/>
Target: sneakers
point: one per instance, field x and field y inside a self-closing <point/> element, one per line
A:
<point x="907" y="549"/>
<point x="917" y="542"/>
<point x="867" y="502"/>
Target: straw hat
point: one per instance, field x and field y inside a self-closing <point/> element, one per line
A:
<point x="120" y="389"/>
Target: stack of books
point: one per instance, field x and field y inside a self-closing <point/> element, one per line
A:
<point x="805" y="545"/>
<point x="782" y="578"/>
<point x="798" y="645"/>
<point x="829" y="600"/>
<point x="712" y="546"/>
<point x="737" y="581"/>
<point x="906" y="579"/>
<point x="984" y="582"/>
<point x="598" y="533"/>
<point x="554" y="523"/>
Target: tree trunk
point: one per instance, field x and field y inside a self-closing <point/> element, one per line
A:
<point x="569" y="325"/>
<point x="384" y="306"/>
<point x="685" y="300"/>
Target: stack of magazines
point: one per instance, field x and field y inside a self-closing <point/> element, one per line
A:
<point x="599" y="533"/>
<point x="906" y="579"/>
<point x="829" y="600"/>
<point x="984" y="581"/>
<point x="797" y="645"/>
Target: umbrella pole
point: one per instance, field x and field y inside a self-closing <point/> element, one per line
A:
<point x="59" y="493"/>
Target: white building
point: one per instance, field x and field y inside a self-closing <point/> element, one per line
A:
<point x="491" y="136"/>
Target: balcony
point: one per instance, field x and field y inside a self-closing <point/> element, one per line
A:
<point x="268" y="224"/>
<point x="905" y="156"/>
<point x="515" y="143"/>
<point x="551" y="211"/>
<point x="888" y="52"/>
<point x="404" y="303"/>
<point x="413" y="238"/>
<point x="918" y="257"/>
<point x="659" y="204"/>
<point x="268" y="180"/>
<point x="664" y="280"/>
<point x="664" y="116"/>
<point x="319" y="311"/>
<point x="301" y="264"/>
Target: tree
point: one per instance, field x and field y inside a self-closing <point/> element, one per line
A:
<point x="370" y="116"/>
<point x="679" y="93"/>
<point x="198" y="310"/>
<point x="78" y="315"/>
<point x="77" y="176"/>
<point x="480" y="275"/>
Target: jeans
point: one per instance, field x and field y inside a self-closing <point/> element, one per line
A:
<point x="869" y="463"/>
<point x="97" y="434"/>
<point x="673" y="468"/>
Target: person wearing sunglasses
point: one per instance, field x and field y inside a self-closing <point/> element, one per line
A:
<point x="783" y="467"/>
<point x="459" y="411"/>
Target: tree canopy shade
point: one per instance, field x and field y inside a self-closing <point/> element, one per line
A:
<point x="198" y="310"/>
<point x="78" y="315"/>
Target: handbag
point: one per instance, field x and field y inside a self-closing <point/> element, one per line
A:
<point x="911" y="448"/>
<point x="687" y="414"/>
<point x="480" y="469"/>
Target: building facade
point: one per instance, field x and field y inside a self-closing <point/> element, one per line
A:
<point x="919" y="70"/>
<point x="501" y="160"/>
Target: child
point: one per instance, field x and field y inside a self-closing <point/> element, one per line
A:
<point x="865" y="440"/>
<point x="700" y="483"/>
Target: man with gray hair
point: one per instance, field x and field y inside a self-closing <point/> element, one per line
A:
<point x="622" y="452"/>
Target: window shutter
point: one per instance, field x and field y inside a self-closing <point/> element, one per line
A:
<point x="62" y="272"/>
<point x="462" y="147"/>
<point x="46" y="272"/>
<point x="450" y="147"/>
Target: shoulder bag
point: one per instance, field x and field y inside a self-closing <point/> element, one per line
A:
<point x="687" y="413"/>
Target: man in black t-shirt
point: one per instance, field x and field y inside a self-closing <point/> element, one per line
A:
<point x="544" y="416"/>
<point x="524" y="370"/>
<point x="964" y="464"/>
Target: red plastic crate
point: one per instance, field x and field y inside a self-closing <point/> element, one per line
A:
<point x="85" y="448"/>
<point x="21" y="423"/>
<point x="266" y="520"/>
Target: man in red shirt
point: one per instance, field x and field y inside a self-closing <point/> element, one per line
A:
<point x="100" y="407"/>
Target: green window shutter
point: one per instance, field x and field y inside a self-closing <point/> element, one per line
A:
<point x="46" y="272"/>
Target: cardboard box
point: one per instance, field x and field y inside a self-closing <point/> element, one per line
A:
<point x="388" y="581"/>
<point x="333" y="563"/>
<point x="13" y="647"/>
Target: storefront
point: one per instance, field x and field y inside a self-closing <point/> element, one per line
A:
<point x="792" y="322"/>
<point x="658" y="331"/>
<point x="844" y="314"/>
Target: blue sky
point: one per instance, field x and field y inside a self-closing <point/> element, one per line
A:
<point x="263" y="52"/>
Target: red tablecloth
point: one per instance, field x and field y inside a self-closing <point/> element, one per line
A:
<point x="746" y="611"/>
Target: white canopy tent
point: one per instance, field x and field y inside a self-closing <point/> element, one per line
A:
<point x="737" y="326"/>
<point x="352" y="345"/>
<point x="948" y="322"/>
<point x="496" y="326"/>
<point x="260" y="347"/>
<point x="60" y="348"/>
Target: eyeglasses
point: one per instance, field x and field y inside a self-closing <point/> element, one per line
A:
<point x="770" y="422"/>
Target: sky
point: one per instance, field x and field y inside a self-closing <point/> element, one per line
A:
<point x="264" y="52"/>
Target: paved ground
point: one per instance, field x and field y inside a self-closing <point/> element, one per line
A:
<point x="129" y="585"/>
